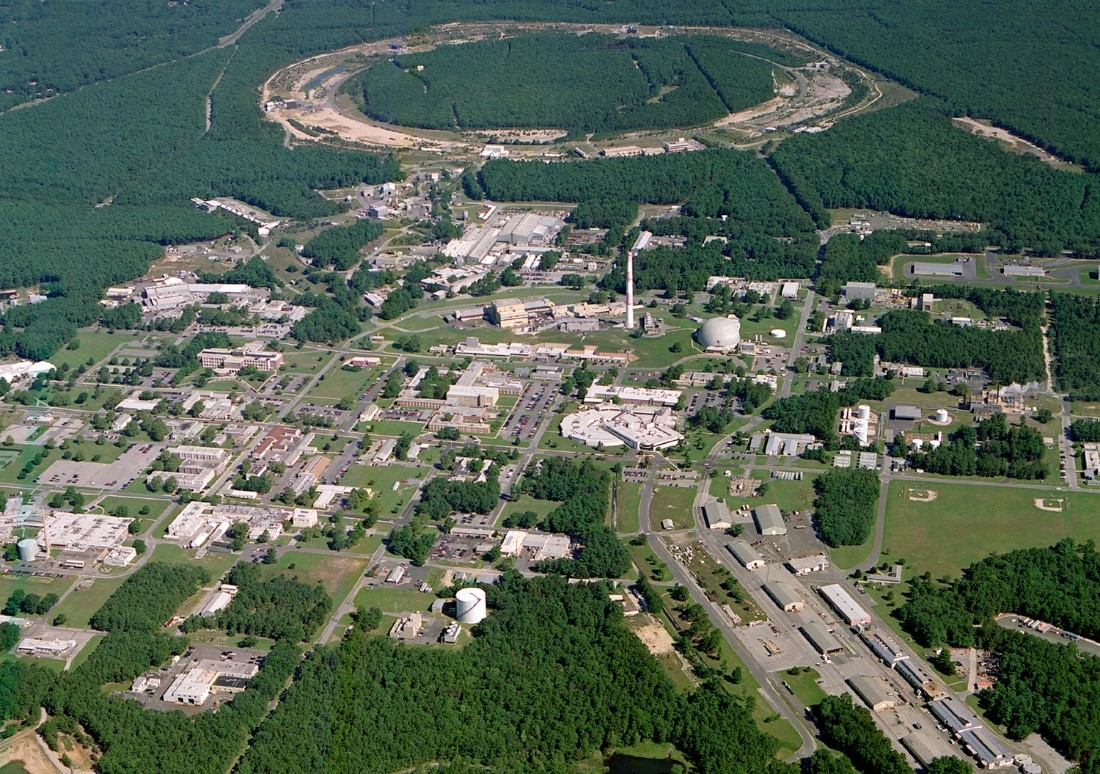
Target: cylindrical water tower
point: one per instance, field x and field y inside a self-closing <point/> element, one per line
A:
<point x="864" y="412"/>
<point x="470" y="607"/>
<point x="941" y="416"/>
<point x="28" y="549"/>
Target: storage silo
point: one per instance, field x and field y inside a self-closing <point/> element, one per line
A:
<point x="941" y="416"/>
<point x="470" y="606"/>
<point x="28" y="549"/>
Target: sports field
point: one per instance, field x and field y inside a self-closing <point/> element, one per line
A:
<point x="941" y="528"/>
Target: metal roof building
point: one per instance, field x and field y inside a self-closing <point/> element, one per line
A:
<point x="954" y="715"/>
<point x="769" y="520"/>
<point x="825" y="643"/>
<point x="717" y="515"/>
<point x="922" y="747"/>
<point x="886" y="650"/>
<point x="784" y="595"/>
<point x="985" y="747"/>
<point x="748" y="556"/>
<point x="907" y="412"/>
<point x="846" y="607"/>
<point x="873" y="693"/>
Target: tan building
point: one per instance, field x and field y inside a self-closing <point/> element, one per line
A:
<point x="231" y="361"/>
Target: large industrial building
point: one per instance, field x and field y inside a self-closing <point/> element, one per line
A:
<point x="748" y="556"/>
<point x="195" y="685"/>
<point x="717" y="515"/>
<point x="844" y="605"/>
<point x="769" y="520"/>
<point x="785" y="595"/>
<point x="873" y="692"/>
<point x="609" y="425"/>
<point x="822" y="639"/>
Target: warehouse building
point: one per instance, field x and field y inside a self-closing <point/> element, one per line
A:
<point x="953" y="715"/>
<point x="769" y="520"/>
<point x="922" y="747"/>
<point x="788" y="599"/>
<point x="858" y="291"/>
<point x="846" y="607"/>
<point x="887" y="651"/>
<point x="873" y="692"/>
<point x="985" y="747"/>
<point x="822" y="639"/>
<point x="908" y="413"/>
<point x="804" y="565"/>
<point x="748" y="556"/>
<point x="717" y="515"/>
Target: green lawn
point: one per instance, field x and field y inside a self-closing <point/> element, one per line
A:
<point x="382" y="481"/>
<point x="847" y="557"/>
<point x="10" y="472"/>
<point x="395" y="428"/>
<point x="804" y="686"/>
<point x="966" y="523"/>
<point x="647" y="562"/>
<point x="337" y="573"/>
<point x="394" y="600"/>
<point x="672" y="502"/>
<point x="32" y="584"/>
<point x="788" y="495"/>
<point x="627" y="507"/>
<point x="214" y="562"/>
<point x="135" y="504"/>
<point x="95" y="346"/>
<point x="79" y="607"/>
<point x="528" y="503"/>
<point x="338" y="382"/>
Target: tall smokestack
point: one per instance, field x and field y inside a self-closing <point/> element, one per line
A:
<point x="630" y="290"/>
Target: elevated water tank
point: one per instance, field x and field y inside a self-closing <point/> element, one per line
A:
<point x="470" y="607"/>
<point x="28" y="549"/>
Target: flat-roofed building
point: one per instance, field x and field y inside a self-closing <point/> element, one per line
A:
<point x="953" y="715"/>
<point x="748" y="556"/>
<point x="821" y="638"/>
<point x="922" y="746"/>
<point x="889" y="652"/>
<point x="844" y="605"/>
<point x="769" y="520"/>
<point x="873" y="692"/>
<point x="472" y="396"/>
<point x="858" y="291"/>
<point x="909" y="413"/>
<point x="717" y="515"/>
<point x="231" y="361"/>
<point x="785" y="595"/>
<point x="986" y="748"/>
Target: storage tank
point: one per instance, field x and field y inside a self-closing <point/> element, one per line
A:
<point x="470" y="607"/>
<point x="864" y="412"/>
<point x="28" y="550"/>
<point x="941" y="416"/>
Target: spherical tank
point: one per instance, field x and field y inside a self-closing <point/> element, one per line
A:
<point x="470" y="607"/>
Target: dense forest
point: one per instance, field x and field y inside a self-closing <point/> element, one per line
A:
<point x="815" y="412"/>
<point x="504" y="702"/>
<point x="1041" y="686"/>
<point x="588" y="83"/>
<point x="845" y="505"/>
<point x="762" y="231"/>
<point x="1075" y="344"/>
<point x="913" y="338"/>
<point x="991" y="449"/>
<point x="911" y="160"/>
<point x="851" y="729"/>
<point x="339" y="246"/>
<point x="584" y="492"/>
<point x="848" y="258"/>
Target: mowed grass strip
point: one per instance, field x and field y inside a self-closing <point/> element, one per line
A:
<point x="967" y="522"/>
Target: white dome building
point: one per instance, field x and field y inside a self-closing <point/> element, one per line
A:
<point x="720" y="334"/>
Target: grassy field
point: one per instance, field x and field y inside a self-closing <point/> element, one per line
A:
<point x="382" y="481"/>
<point x="33" y="585"/>
<point x="10" y="472"/>
<point x="966" y="523"/>
<point x="339" y="382"/>
<point x="648" y="562"/>
<point x="94" y="346"/>
<point x="804" y="685"/>
<point x="528" y="503"/>
<point x="627" y="506"/>
<point x="336" y="573"/>
<point x="672" y="502"/>
<point x="394" y="600"/>
<point x="79" y="607"/>
<point x="847" y="557"/>
<point x="395" y="428"/>
<point x="214" y="562"/>
<point x="135" y="504"/>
